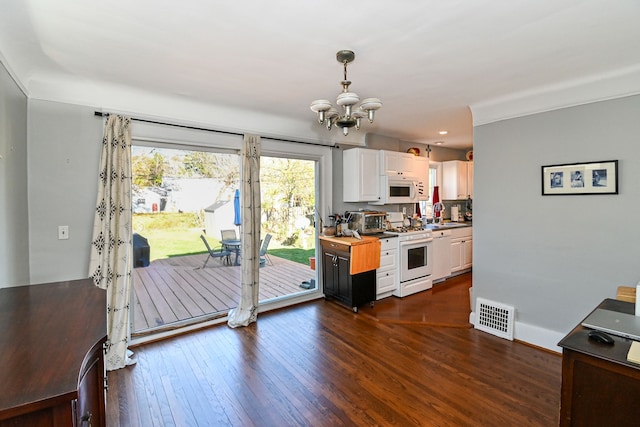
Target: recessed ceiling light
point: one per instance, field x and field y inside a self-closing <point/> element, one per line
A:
<point x="443" y="132"/>
<point x="439" y="142"/>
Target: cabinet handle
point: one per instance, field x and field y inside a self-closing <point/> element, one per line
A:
<point x="86" y="418"/>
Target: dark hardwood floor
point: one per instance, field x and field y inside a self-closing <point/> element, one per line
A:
<point x="319" y="364"/>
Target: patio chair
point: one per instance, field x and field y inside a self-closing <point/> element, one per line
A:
<point x="221" y="253"/>
<point x="264" y="256"/>
<point x="228" y="235"/>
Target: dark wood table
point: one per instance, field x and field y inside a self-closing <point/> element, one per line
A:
<point x="51" y="356"/>
<point x="599" y="386"/>
<point x="233" y="246"/>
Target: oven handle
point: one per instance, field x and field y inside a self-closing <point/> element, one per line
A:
<point x="414" y="242"/>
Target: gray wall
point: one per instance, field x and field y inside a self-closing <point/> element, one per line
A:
<point x="14" y="227"/>
<point x="555" y="257"/>
<point x="64" y="157"/>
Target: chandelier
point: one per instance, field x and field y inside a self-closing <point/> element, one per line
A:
<point x="351" y="115"/>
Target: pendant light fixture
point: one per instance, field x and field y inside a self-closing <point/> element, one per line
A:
<point x="351" y="115"/>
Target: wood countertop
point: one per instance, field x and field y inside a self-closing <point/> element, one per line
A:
<point x="365" y="252"/>
<point x="350" y="241"/>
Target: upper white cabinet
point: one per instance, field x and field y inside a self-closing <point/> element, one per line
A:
<point x="422" y="173"/>
<point x="397" y="163"/>
<point x="457" y="177"/>
<point x="360" y="175"/>
<point x="363" y="167"/>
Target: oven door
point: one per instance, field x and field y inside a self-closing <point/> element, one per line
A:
<point x="415" y="259"/>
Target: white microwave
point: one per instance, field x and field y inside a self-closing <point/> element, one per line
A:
<point x="397" y="189"/>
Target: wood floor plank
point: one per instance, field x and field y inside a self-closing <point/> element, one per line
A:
<point x="323" y="365"/>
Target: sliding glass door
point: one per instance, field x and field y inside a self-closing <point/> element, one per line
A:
<point x="184" y="200"/>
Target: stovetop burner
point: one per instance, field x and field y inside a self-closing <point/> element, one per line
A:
<point x="404" y="230"/>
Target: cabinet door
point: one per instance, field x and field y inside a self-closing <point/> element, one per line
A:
<point x="470" y="179"/>
<point x="328" y="272"/>
<point x="454" y="177"/>
<point x="456" y="255"/>
<point x="422" y="173"/>
<point x="467" y="253"/>
<point x="343" y="276"/>
<point x="360" y="175"/>
<point x="396" y="163"/>
<point x="90" y="409"/>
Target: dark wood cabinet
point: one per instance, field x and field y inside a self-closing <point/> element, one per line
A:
<point x="352" y="290"/>
<point x="599" y="386"/>
<point x="51" y="358"/>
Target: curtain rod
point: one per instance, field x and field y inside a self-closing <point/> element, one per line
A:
<point x="101" y="114"/>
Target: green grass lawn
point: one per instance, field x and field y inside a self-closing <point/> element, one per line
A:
<point x="180" y="242"/>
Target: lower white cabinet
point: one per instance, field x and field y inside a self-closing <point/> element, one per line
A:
<point x="461" y="249"/>
<point x="387" y="274"/>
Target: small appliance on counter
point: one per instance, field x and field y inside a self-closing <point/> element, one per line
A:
<point x="455" y="213"/>
<point x="367" y="222"/>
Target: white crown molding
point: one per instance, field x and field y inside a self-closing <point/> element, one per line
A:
<point x="13" y="75"/>
<point x="618" y="84"/>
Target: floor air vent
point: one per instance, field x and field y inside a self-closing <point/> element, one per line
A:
<point x="495" y="318"/>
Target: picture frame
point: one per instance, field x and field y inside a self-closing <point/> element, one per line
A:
<point x="580" y="178"/>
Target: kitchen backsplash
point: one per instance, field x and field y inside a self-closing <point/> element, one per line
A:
<point x="462" y="207"/>
<point x="410" y="208"/>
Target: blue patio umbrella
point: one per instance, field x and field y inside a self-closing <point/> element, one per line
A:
<point x="236" y="209"/>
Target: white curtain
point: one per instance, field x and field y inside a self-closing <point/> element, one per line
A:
<point x="111" y="264"/>
<point x="247" y="310"/>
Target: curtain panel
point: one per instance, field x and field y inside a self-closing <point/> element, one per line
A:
<point x="110" y="265"/>
<point x="247" y="311"/>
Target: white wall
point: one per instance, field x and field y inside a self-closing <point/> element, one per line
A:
<point x="14" y="230"/>
<point x="64" y="142"/>
<point x="64" y="156"/>
<point x="555" y="257"/>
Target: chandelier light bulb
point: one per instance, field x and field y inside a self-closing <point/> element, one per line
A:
<point x="351" y="114"/>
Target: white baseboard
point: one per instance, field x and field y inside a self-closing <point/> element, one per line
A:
<point x="533" y="335"/>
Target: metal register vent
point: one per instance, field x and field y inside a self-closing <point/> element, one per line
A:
<point x="495" y="318"/>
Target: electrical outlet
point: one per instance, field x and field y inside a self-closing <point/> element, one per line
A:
<point x="63" y="232"/>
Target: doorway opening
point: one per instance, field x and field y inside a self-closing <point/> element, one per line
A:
<point x="183" y="201"/>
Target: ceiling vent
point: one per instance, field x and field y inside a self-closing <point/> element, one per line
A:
<point x="495" y="318"/>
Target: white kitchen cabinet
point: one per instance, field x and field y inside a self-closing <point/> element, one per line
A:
<point x="360" y="175"/>
<point x="461" y="249"/>
<point x="387" y="274"/>
<point x="397" y="163"/>
<point x="470" y="179"/>
<point x="422" y="173"/>
<point x="456" y="177"/>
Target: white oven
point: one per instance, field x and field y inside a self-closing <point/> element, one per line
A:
<point x="415" y="259"/>
<point x="415" y="254"/>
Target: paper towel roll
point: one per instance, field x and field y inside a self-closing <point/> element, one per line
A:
<point x="454" y="213"/>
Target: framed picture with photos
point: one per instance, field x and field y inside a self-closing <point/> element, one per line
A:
<point x="580" y="178"/>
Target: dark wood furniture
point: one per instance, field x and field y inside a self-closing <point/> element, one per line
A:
<point x="599" y="386"/>
<point x="51" y="355"/>
<point x="352" y="290"/>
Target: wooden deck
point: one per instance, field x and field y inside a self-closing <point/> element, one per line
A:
<point x="172" y="291"/>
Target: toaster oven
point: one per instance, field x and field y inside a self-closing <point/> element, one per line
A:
<point x="368" y="222"/>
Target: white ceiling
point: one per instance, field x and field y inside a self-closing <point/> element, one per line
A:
<point x="432" y="63"/>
